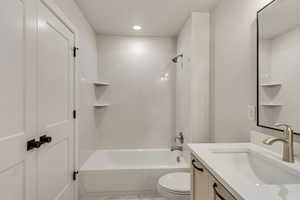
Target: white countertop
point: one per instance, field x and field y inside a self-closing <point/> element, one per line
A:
<point x="239" y="186"/>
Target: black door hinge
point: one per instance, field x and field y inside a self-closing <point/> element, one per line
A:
<point x="74" y="114"/>
<point x="75" y="49"/>
<point x="75" y="173"/>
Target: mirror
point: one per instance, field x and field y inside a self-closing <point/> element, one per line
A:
<point x="278" y="85"/>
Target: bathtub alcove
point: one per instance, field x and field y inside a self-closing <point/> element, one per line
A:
<point x="119" y="172"/>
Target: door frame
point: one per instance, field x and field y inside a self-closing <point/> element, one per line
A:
<point x="50" y="4"/>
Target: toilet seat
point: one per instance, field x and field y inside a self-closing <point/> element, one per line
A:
<point x="175" y="185"/>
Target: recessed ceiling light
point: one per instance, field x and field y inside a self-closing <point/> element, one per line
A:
<point x="137" y="27"/>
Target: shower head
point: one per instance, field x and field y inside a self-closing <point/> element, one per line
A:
<point x="176" y="59"/>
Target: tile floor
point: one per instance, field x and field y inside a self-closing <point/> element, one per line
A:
<point x="129" y="197"/>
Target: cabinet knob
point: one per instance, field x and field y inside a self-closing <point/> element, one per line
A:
<point x="198" y="168"/>
<point x="215" y="186"/>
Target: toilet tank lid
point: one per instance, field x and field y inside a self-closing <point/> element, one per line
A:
<point x="177" y="182"/>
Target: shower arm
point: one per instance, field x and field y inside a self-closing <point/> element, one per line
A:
<point x="175" y="59"/>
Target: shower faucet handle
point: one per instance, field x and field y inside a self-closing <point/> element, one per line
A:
<point x="180" y="137"/>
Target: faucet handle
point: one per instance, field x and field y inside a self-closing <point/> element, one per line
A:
<point x="283" y="125"/>
<point x="180" y="137"/>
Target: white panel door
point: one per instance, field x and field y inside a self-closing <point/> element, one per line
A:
<point x="55" y="96"/>
<point x="12" y="103"/>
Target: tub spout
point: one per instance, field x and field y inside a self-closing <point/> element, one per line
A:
<point x="176" y="148"/>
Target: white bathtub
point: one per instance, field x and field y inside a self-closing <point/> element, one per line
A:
<point x="127" y="171"/>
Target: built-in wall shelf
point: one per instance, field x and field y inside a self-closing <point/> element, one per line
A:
<point x="274" y="84"/>
<point x="101" y="83"/>
<point x="101" y="105"/>
<point x="272" y="104"/>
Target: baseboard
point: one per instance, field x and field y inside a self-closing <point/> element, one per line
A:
<point x="116" y="194"/>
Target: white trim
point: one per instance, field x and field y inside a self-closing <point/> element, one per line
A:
<point x="62" y="17"/>
<point x="149" y="194"/>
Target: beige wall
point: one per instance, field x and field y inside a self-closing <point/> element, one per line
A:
<point x="233" y="68"/>
<point x="142" y="111"/>
<point x="87" y="74"/>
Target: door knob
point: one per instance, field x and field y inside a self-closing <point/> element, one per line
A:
<point x="45" y="139"/>
<point x="32" y="144"/>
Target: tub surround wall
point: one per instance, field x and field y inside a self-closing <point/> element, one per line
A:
<point x="142" y="111"/>
<point x="87" y="74"/>
<point x="192" y="83"/>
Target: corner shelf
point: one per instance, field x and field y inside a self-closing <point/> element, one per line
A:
<point x="101" y="83"/>
<point x="272" y="104"/>
<point x="275" y="84"/>
<point x="101" y="105"/>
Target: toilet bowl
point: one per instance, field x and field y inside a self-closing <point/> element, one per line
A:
<point x="175" y="186"/>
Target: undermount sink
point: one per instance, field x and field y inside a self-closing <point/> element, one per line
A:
<point x="255" y="167"/>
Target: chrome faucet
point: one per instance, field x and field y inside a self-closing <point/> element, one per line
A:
<point x="180" y="137"/>
<point x="288" y="143"/>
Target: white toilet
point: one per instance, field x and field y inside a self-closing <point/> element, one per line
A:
<point x="175" y="186"/>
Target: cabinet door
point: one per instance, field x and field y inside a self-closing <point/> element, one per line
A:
<point x="217" y="191"/>
<point x="200" y="181"/>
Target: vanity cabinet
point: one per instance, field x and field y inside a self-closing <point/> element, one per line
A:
<point x="205" y="186"/>
<point x="200" y="180"/>
<point x="217" y="191"/>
